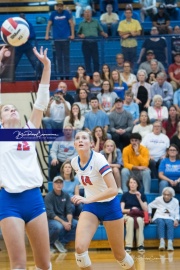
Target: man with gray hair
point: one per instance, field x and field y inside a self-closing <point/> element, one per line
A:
<point x="146" y="64"/>
<point x="63" y="86"/>
<point x="163" y="88"/>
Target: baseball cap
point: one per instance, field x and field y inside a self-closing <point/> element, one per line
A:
<point x="58" y="91"/>
<point x="150" y="52"/>
<point x="161" y="6"/>
<point x="58" y="178"/>
<point x="59" y="3"/>
<point x="118" y="100"/>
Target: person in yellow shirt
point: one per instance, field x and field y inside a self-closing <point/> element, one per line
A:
<point x="128" y="29"/>
<point x="136" y="162"/>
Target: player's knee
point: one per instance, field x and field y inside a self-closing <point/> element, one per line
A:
<point x="50" y="267"/>
<point x="127" y="262"/>
<point x="83" y="259"/>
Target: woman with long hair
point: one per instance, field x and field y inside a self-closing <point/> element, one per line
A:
<point x="100" y="204"/>
<point x="75" y="118"/>
<point x="118" y="86"/>
<point x="176" y="138"/>
<point x="114" y="158"/>
<point x="83" y="102"/>
<point x="71" y="185"/>
<point x="105" y="72"/>
<point x="106" y="97"/>
<point x="80" y="76"/>
<point x="170" y="125"/>
<point x="99" y="137"/>
<point x="144" y="127"/>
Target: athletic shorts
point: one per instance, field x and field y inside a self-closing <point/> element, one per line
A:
<point x="26" y="205"/>
<point x="105" y="211"/>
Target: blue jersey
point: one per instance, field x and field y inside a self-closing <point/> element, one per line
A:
<point x="60" y="23"/>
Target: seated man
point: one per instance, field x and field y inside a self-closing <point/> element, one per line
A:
<point x="63" y="86"/>
<point x="109" y="21"/>
<point x="148" y="8"/>
<point x="104" y="3"/>
<point x="157" y="144"/>
<point x="62" y="149"/>
<point x="161" y="20"/>
<point x="174" y="72"/>
<point x="146" y="65"/>
<point x="119" y="63"/>
<point x="61" y="224"/>
<point x="58" y="108"/>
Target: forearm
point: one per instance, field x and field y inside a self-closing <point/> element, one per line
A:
<point x="69" y="218"/>
<point x="59" y="219"/>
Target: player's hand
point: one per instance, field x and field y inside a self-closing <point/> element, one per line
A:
<point x="76" y="199"/>
<point x="2" y="51"/>
<point x="42" y="56"/>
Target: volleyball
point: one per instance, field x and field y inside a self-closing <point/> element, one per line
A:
<point x="15" y="31"/>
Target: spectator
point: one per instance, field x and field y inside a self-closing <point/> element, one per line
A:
<point x="27" y="49"/>
<point x="166" y="216"/>
<point x="169" y="170"/>
<point x="63" y="29"/>
<point x="106" y="97"/>
<point x="83" y="85"/>
<point x="163" y="88"/>
<point x="175" y="40"/>
<point x="80" y="76"/>
<point x="99" y="137"/>
<point x="133" y="205"/>
<point x="121" y="124"/>
<point x="75" y="119"/>
<point x="63" y="86"/>
<point x="174" y="72"/>
<point x="96" y="85"/>
<point x="157" y="45"/>
<point x="141" y="91"/>
<point x="135" y="15"/>
<point x="131" y="107"/>
<point x="109" y="21"/>
<point x="114" y="158"/>
<point x="170" y="7"/>
<point x="136" y="161"/>
<point x="58" y="108"/>
<point x="146" y="65"/>
<point x="103" y="4"/>
<point x="83" y="102"/>
<point x="62" y="149"/>
<point x="144" y="127"/>
<point x="88" y="30"/>
<point x="81" y="6"/>
<point x="106" y="72"/>
<point x="157" y="143"/>
<point x="95" y="117"/>
<point x="61" y="224"/>
<point x="128" y="30"/>
<point x="119" y="87"/>
<point x="70" y="185"/>
<point x="119" y="62"/>
<point x="148" y="8"/>
<point x="154" y="68"/>
<point x="176" y="100"/>
<point x="176" y="138"/>
<point x="152" y="78"/>
<point x="157" y="111"/>
<point x="161" y="20"/>
<point x="170" y="125"/>
<point x="127" y="76"/>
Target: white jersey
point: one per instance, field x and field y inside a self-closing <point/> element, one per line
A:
<point x="91" y="175"/>
<point x="19" y="167"/>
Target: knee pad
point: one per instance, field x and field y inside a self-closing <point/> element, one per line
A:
<point x="50" y="267"/>
<point x="83" y="259"/>
<point x="127" y="262"/>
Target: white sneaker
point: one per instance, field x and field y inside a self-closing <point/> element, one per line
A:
<point x="60" y="247"/>
<point x="170" y="245"/>
<point x="52" y="250"/>
<point x="162" y="245"/>
<point x="120" y="191"/>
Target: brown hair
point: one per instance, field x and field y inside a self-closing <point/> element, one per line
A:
<point x="62" y="170"/>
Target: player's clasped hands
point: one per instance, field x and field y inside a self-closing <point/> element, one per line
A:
<point x="76" y="199"/>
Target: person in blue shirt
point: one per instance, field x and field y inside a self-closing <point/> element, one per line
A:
<point x="119" y="87"/>
<point x="63" y="30"/>
<point x="169" y="170"/>
<point x="176" y="100"/>
<point x="131" y="107"/>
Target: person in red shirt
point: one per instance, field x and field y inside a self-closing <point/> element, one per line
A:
<point x="174" y="72"/>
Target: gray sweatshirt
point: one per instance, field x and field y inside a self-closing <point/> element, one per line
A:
<point x="122" y="120"/>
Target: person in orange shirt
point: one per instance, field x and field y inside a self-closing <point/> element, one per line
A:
<point x="136" y="161"/>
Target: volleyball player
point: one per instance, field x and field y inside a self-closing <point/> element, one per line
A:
<point x="100" y="204"/>
<point x="21" y="204"/>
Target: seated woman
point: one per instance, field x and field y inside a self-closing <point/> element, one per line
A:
<point x="176" y="138"/>
<point x="83" y="102"/>
<point x="157" y="111"/>
<point x="82" y="86"/>
<point x="106" y="97"/>
<point x="118" y="86"/>
<point x="71" y="185"/>
<point x="166" y="216"/>
<point x="133" y="203"/>
<point x="99" y="137"/>
<point x="170" y="125"/>
<point x="155" y="69"/>
<point x="80" y="76"/>
<point x="114" y="158"/>
<point x="106" y="72"/>
<point x="169" y="169"/>
<point x="151" y="78"/>
<point x="96" y="85"/>
<point x="128" y="77"/>
<point x="141" y="91"/>
<point x="75" y="118"/>
<point x="144" y="127"/>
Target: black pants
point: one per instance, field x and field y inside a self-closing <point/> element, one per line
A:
<point x="54" y="170"/>
<point x="121" y="141"/>
<point x="90" y="51"/>
<point x="153" y="166"/>
<point x="62" y="56"/>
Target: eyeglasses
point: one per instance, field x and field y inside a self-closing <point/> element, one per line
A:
<point x="105" y="83"/>
<point x="157" y="126"/>
<point x="166" y="194"/>
<point x="172" y="150"/>
<point x="126" y="66"/>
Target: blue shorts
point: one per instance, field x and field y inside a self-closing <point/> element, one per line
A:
<point x="26" y="205"/>
<point x="105" y="211"/>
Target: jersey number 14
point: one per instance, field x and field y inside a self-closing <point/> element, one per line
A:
<point x="86" y="180"/>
